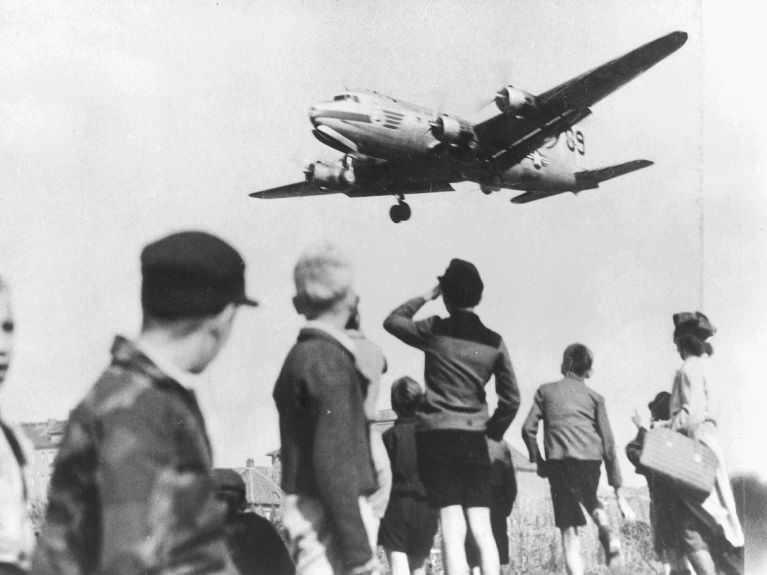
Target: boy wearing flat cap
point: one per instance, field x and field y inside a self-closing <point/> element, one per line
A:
<point x="131" y="490"/>
<point x="461" y="355"/>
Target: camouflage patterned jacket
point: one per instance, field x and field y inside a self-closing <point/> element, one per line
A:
<point x="131" y="490"/>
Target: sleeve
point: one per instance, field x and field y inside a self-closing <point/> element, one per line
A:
<point x="634" y="449"/>
<point x="681" y="398"/>
<point x="609" y="453"/>
<point x="158" y="514"/>
<point x="400" y="324"/>
<point x="508" y="395"/>
<point x="530" y="427"/>
<point x="337" y="410"/>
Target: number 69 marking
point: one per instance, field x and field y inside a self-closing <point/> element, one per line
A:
<point x="576" y="141"/>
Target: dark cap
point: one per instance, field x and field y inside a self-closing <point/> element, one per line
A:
<point x="191" y="274"/>
<point x="694" y="323"/>
<point x="461" y="283"/>
<point x="660" y="406"/>
<point x="229" y="481"/>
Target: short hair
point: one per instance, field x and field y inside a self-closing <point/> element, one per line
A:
<point x="693" y="345"/>
<point x="660" y="406"/>
<point x="406" y="396"/>
<point x="577" y="359"/>
<point x="323" y="276"/>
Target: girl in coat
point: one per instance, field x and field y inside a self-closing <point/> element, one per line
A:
<point x="710" y="533"/>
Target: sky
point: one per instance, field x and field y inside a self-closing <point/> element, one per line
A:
<point x="126" y="121"/>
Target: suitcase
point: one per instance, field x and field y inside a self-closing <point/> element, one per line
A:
<point x="687" y="464"/>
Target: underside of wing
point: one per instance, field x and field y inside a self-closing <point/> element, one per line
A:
<point x="388" y="188"/>
<point x="397" y="188"/>
<point x="297" y="190"/>
<point x="509" y="138"/>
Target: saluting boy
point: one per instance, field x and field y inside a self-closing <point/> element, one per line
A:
<point x="461" y="355"/>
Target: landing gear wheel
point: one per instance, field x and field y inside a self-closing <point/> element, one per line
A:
<point x="404" y="211"/>
<point x="394" y="214"/>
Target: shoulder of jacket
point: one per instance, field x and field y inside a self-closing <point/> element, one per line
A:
<point x="120" y="388"/>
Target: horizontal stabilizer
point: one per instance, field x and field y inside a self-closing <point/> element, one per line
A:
<point x="296" y="190"/>
<point x="531" y="197"/>
<point x="590" y="179"/>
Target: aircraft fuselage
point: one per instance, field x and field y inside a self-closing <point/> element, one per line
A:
<point x="379" y="126"/>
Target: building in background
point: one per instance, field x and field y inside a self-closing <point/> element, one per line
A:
<point x="262" y="487"/>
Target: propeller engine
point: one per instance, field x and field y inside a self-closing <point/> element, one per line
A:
<point x="331" y="176"/>
<point x="451" y="131"/>
<point x="511" y="100"/>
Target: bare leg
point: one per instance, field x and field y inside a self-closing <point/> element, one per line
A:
<point x="398" y="562"/>
<point x="571" y="545"/>
<point x="453" y="540"/>
<point x="479" y="523"/>
<point x="419" y="570"/>
<point x="609" y="540"/>
<point x="702" y="562"/>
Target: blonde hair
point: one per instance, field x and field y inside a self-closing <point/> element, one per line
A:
<point x="323" y="276"/>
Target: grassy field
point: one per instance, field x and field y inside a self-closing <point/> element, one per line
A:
<point x="535" y="547"/>
<point x="534" y="543"/>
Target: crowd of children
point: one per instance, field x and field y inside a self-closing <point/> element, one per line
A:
<point x="133" y="489"/>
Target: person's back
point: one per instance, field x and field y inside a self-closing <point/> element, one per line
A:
<point x="131" y="488"/>
<point x="574" y="420"/>
<point x="577" y="438"/>
<point x="461" y="355"/>
<point x="327" y="470"/>
<point x="130" y="494"/>
<point x="409" y="525"/>
<point x="303" y="397"/>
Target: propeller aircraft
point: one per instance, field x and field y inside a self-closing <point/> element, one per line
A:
<point x="530" y="143"/>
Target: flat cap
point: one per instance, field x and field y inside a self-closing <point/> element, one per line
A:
<point x="461" y="283"/>
<point x="191" y="274"/>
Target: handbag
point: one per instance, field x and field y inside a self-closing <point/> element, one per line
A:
<point x="687" y="464"/>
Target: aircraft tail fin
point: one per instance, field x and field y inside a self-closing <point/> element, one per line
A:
<point x="590" y="179"/>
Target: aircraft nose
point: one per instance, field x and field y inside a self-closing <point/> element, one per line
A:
<point x="314" y="115"/>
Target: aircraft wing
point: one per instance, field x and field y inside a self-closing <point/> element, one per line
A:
<point x="296" y="190"/>
<point x="302" y="189"/>
<point x="509" y="139"/>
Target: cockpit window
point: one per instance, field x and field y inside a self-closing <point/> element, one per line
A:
<point x="345" y="97"/>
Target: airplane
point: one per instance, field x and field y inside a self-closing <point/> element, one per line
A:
<point x="396" y="148"/>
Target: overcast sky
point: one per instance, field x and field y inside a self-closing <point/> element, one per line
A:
<point x="122" y="122"/>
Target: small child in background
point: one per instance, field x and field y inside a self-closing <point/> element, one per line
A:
<point x="255" y="545"/>
<point x="409" y="525"/>
<point x="665" y="539"/>
<point x="503" y="486"/>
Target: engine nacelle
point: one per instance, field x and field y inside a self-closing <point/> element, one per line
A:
<point x="511" y="100"/>
<point x="336" y="176"/>
<point x="451" y="131"/>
